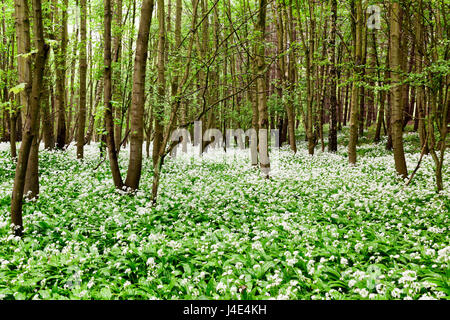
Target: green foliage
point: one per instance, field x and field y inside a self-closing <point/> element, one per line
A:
<point x="317" y="229"/>
<point x="18" y="89"/>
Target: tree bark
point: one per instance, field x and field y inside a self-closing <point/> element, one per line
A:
<point x="263" y="121"/>
<point x="138" y="97"/>
<point x="116" y="72"/>
<point x="109" y="122"/>
<point x="332" y="143"/>
<point x="29" y="131"/>
<point x="353" y="140"/>
<point x="83" y="74"/>
<point x="60" y="57"/>
<point x="397" y="108"/>
<point x="158" y="110"/>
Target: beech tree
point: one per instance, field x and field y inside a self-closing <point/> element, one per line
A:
<point x="83" y="75"/>
<point x="397" y="110"/>
<point x="30" y="130"/>
<point x="138" y="97"/>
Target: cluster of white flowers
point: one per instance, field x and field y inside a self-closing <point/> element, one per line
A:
<point x="444" y="255"/>
<point x="408" y="276"/>
<point x="221" y="287"/>
<point x="216" y="212"/>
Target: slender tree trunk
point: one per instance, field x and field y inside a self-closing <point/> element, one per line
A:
<point x="31" y="119"/>
<point x="397" y="109"/>
<point x="381" y="94"/>
<point x="362" y="90"/>
<point x="83" y="74"/>
<point x="109" y="122"/>
<point x="98" y="96"/>
<point x="31" y="187"/>
<point x="161" y="84"/>
<point x="353" y="140"/>
<point x="47" y="114"/>
<point x="138" y="97"/>
<point x="60" y="57"/>
<point x="332" y="143"/>
<point x="263" y="122"/>
<point x="292" y="79"/>
<point x="116" y="72"/>
<point x="420" y="94"/>
<point x="13" y="113"/>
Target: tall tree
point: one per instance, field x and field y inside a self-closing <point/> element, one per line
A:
<point x="116" y="71"/>
<point x="292" y="75"/>
<point x="263" y="122"/>
<point x="332" y="143"/>
<point x="357" y="21"/>
<point x="83" y="76"/>
<point x="138" y="97"/>
<point x="61" y="79"/>
<point x="158" y="109"/>
<point x="107" y="87"/>
<point x="396" y="74"/>
<point x="31" y="121"/>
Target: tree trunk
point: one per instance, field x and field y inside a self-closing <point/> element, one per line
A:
<point x="109" y="122"/>
<point x="332" y="143"/>
<point x="397" y="109"/>
<point x="420" y="94"/>
<point x="158" y="110"/>
<point x="116" y="72"/>
<point x="292" y="79"/>
<point x="353" y="140"/>
<point x="83" y="73"/>
<point x="263" y="122"/>
<point x="60" y="57"/>
<point x="138" y="97"/>
<point x="31" y="118"/>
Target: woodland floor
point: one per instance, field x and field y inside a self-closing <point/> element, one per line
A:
<point x="318" y="229"/>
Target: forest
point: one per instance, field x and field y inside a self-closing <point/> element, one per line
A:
<point x="224" y="149"/>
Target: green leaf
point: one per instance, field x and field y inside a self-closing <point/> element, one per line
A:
<point x="19" y="88"/>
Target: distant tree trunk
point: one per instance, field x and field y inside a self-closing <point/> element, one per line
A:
<point x="29" y="131"/>
<point x="13" y="133"/>
<point x="23" y="66"/>
<point x="381" y="94"/>
<point x="254" y="103"/>
<point x="332" y="143"/>
<point x="263" y="122"/>
<point x="178" y="14"/>
<point x="362" y="90"/>
<point x="397" y="109"/>
<point x="292" y="78"/>
<point x="420" y="94"/>
<point x="83" y="73"/>
<point x="109" y="122"/>
<point x="353" y="140"/>
<point x="158" y="110"/>
<point x="346" y="106"/>
<point x="47" y="114"/>
<point x="308" y="46"/>
<point x="138" y="97"/>
<point x="281" y="87"/>
<point x="116" y="72"/>
<point x="61" y="79"/>
<point x="98" y="96"/>
<point x="73" y="90"/>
